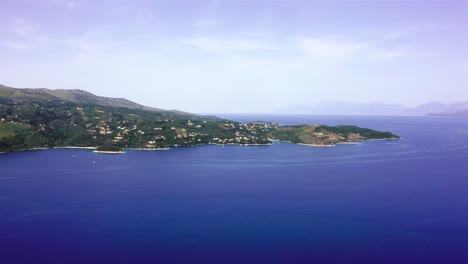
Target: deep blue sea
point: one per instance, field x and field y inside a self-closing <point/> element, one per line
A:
<point x="401" y="201"/>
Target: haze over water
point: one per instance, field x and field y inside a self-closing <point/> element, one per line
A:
<point x="402" y="201"/>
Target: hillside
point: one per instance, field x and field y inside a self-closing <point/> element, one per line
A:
<point x="73" y="96"/>
<point x="43" y="118"/>
<point x="319" y="135"/>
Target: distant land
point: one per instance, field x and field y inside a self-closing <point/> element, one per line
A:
<point x="458" y="113"/>
<point x="45" y="118"/>
<point x="350" y="108"/>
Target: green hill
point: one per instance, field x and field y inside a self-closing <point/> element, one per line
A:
<point x="73" y="96"/>
<point x="44" y="118"/>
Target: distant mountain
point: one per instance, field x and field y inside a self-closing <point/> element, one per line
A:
<point x="344" y="108"/>
<point x="461" y="113"/>
<point x="458" y="109"/>
<point x="350" y="108"/>
<point x="464" y="113"/>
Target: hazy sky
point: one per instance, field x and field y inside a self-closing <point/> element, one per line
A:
<point x="239" y="55"/>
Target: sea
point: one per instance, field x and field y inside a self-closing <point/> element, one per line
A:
<point x="393" y="201"/>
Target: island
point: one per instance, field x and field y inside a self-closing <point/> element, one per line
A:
<point x="44" y="118"/>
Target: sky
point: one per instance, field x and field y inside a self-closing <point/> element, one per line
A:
<point x="239" y="56"/>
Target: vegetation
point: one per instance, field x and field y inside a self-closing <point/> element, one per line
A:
<point x="40" y="123"/>
<point x="109" y="148"/>
<point x="327" y="135"/>
<point x="45" y="119"/>
<point x="347" y="131"/>
<point x="7" y="130"/>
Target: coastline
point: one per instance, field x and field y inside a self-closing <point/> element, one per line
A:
<point x="32" y="149"/>
<point x="385" y="139"/>
<point x="353" y="142"/>
<point x="21" y="150"/>
<point x="348" y="143"/>
<point x="137" y="149"/>
<point x="314" y="145"/>
<point x="148" y="149"/>
<point x="378" y="139"/>
<point x="108" y="152"/>
<point x="72" y="147"/>
<point x="237" y="144"/>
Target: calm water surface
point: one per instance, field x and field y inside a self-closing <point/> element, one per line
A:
<point x="402" y="201"/>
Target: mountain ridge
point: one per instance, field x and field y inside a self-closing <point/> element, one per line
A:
<point x="75" y="96"/>
<point x="377" y="108"/>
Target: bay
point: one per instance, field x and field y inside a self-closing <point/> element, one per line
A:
<point x="396" y="201"/>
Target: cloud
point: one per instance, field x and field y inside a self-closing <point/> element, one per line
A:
<point x="411" y="31"/>
<point x="334" y="48"/>
<point x="22" y="28"/>
<point x="96" y="40"/>
<point x="221" y="45"/>
<point x="390" y="54"/>
<point x="345" y="49"/>
<point x="206" y="23"/>
<point x="71" y="4"/>
<point x="25" y="36"/>
<point x="258" y="45"/>
<point x="329" y="48"/>
<point x="16" y="45"/>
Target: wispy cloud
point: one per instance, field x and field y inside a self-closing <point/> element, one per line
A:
<point x="411" y="31"/>
<point x="206" y="23"/>
<point x="71" y="4"/>
<point x="329" y="47"/>
<point x="22" y="28"/>
<point x="96" y="40"/>
<point x="25" y="36"/>
<point x="345" y="49"/>
<point x="380" y="54"/>
<point x="222" y="45"/>
<point x="16" y="45"/>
